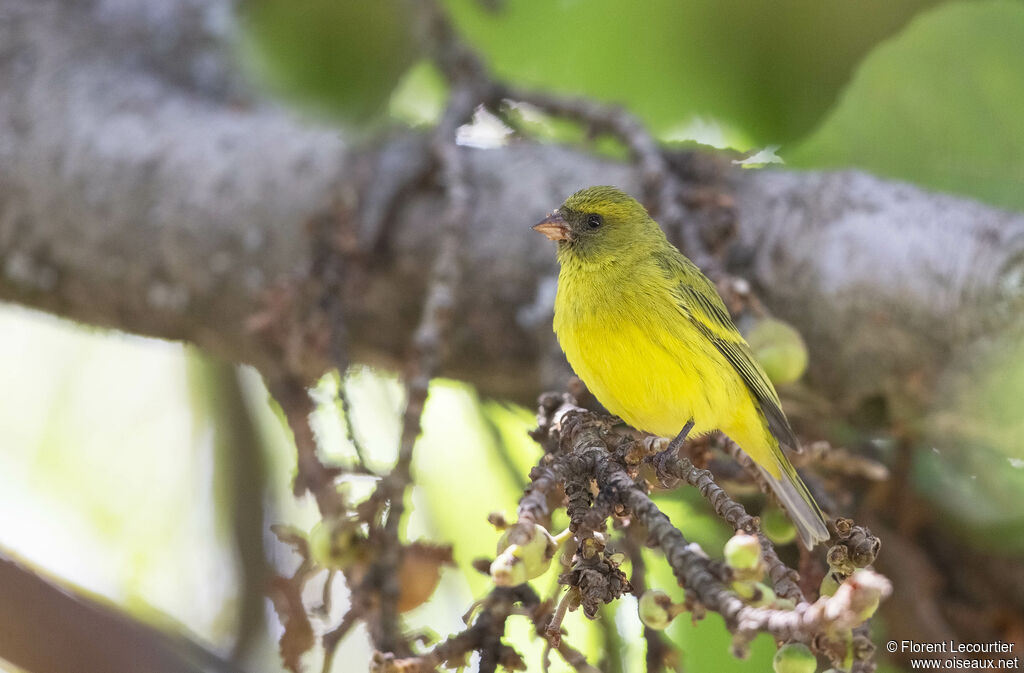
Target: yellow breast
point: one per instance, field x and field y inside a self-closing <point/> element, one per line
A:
<point x="643" y="359"/>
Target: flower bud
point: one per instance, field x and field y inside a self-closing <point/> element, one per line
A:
<point x="780" y="349"/>
<point x="521" y="561"/>
<point x="754" y="593"/>
<point x="743" y="555"/>
<point x="655" y="609"/>
<point x="794" y="658"/>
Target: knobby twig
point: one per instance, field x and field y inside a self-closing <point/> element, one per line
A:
<point x="588" y="449"/>
<point x="784" y="579"/>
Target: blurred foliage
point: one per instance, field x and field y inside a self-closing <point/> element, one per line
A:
<point x="340" y="58"/>
<point x="972" y="467"/>
<point x="920" y="90"/>
<point x="939" y="105"/>
<point x="420" y="96"/>
<point x="780" y="349"/>
<point x="771" y="70"/>
<point x="105" y="474"/>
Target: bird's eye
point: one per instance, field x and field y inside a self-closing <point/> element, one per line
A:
<point x="594" y="221"/>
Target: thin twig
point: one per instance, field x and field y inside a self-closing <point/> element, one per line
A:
<point x="675" y="467"/>
<point x="333" y="638"/>
<point x="841" y="461"/>
<point x="483" y="635"/>
<point x="312" y="475"/>
<point x="350" y="427"/>
<point x="425" y="358"/>
<point x="785" y="580"/>
<point x="553" y="630"/>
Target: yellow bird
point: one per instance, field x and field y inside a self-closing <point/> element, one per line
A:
<point x="650" y="336"/>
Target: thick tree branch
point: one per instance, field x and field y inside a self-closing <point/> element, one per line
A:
<point x="138" y="197"/>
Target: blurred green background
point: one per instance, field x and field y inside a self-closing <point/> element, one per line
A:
<point x="114" y="474"/>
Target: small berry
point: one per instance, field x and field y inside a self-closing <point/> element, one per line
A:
<point x="764" y="596"/>
<point x="654" y="607"/>
<point x="743" y="554"/>
<point x="780" y="349"/>
<point x="777" y="526"/>
<point x="794" y="658"/>
<point x="527" y="557"/>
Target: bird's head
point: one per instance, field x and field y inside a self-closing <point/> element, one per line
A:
<point x="600" y="224"/>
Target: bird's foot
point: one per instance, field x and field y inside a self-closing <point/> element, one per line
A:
<point x="663" y="459"/>
<point x="680" y="439"/>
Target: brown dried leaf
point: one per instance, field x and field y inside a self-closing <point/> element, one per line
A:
<point x="293" y="537"/>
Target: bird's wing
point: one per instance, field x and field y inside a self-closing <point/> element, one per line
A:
<point x="699" y="301"/>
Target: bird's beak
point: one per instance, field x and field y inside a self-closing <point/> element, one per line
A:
<point x="554" y="227"/>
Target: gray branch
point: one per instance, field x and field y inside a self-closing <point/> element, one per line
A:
<point x="145" y="187"/>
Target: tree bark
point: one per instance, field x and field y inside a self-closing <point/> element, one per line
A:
<point x="144" y="187"/>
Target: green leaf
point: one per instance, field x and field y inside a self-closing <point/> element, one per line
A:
<point x="338" y="58"/>
<point x="420" y="96"/>
<point x="939" y="105"/>
<point x="768" y="70"/>
<point x="972" y="466"/>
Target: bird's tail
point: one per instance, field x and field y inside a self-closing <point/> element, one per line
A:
<point x="798" y="502"/>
